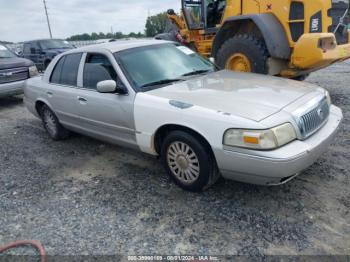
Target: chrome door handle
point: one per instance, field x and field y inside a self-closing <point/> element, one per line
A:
<point x="49" y="94"/>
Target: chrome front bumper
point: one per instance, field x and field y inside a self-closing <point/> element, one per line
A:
<point x="11" y="89"/>
<point x="281" y="165"/>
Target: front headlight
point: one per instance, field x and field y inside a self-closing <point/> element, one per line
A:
<point x="329" y="100"/>
<point x="33" y="71"/>
<point x="260" y="139"/>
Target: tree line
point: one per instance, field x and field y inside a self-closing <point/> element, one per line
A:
<point x="155" y="24"/>
<point x="101" y="35"/>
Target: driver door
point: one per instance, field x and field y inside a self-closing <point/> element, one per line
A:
<point x="108" y="116"/>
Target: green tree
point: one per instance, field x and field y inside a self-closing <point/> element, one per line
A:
<point x="119" y="35"/>
<point x="101" y="35"/>
<point x="132" y="34"/>
<point x="94" y="36"/>
<point x="156" y="24"/>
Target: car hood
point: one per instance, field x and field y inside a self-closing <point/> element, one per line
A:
<point x="251" y="96"/>
<point x="6" y="63"/>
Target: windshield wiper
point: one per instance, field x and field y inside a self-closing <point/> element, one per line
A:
<point x="197" y="72"/>
<point x="161" y="82"/>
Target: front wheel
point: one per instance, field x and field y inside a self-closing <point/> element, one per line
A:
<point x="189" y="161"/>
<point x="243" y="53"/>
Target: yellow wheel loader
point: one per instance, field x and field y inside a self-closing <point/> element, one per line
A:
<point x="288" y="38"/>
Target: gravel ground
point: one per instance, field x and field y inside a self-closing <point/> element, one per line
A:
<point x="81" y="197"/>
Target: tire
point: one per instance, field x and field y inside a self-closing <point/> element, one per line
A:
<point x="186" y="148"/>
<point x="52" y="125"/>
<point x="252" y="48"/>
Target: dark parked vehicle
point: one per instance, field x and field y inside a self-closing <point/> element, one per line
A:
<point x="41" y="52"/>
<point x="13" y="72"/>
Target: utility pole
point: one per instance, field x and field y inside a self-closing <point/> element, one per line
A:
<point x="47" y="18"/>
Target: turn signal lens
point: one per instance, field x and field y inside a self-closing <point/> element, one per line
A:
<point x="251" y="140"/>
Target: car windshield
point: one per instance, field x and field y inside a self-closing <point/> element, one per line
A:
<point x="55" y="44"/>
<point x="5" y="53"/>
<point x="154" y="66"/>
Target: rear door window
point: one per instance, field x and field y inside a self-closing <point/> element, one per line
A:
<point x="97" y="68"/>
<point x="70" y="69"/>
<point x="26" y="48"/>
<point x="66" y="70"/>
<point x="56" y="74"/>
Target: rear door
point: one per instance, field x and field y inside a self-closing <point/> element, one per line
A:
<point x="62" y="92"/>
<point x="33" y="52"/>
<point x="108" y="116"/>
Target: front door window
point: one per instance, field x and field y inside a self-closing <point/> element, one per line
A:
<point x="214" y="12"/>
<point x="193" y="11"/>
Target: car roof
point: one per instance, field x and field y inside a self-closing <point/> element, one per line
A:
<point x="119" y="45"/>
<point x="44" y="39"/>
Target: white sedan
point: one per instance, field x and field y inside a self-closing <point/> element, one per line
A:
<point x="167" y="101"/>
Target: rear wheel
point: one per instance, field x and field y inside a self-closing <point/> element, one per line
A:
<point x="52" y="125"/>
<point x="189" y="161"/>
<point x="243" y="53"/>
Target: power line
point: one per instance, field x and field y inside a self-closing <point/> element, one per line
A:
<point x="47" y="18"/>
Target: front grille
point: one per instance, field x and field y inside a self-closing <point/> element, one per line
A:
<point x="13" y="75"/>
<point x="340" y="20"/>
<point x="314" y="119"/>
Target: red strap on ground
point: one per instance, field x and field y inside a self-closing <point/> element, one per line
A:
<point x="36" y="244"/>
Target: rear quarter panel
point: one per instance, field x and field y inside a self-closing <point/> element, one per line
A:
<point x="34" y="91"/>
<point x="35" y="88"/>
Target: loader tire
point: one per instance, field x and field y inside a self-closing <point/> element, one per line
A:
<point x="244" y="53"/>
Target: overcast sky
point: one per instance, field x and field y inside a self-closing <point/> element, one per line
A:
<point x="22" y="20"/>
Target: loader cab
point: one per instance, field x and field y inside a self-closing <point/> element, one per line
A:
<point x="203" y="14"/>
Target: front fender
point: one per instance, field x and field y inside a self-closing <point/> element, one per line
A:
<point x="271" y="29"/>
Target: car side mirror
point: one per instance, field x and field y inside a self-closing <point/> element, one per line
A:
<point x="107" y="86"/>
